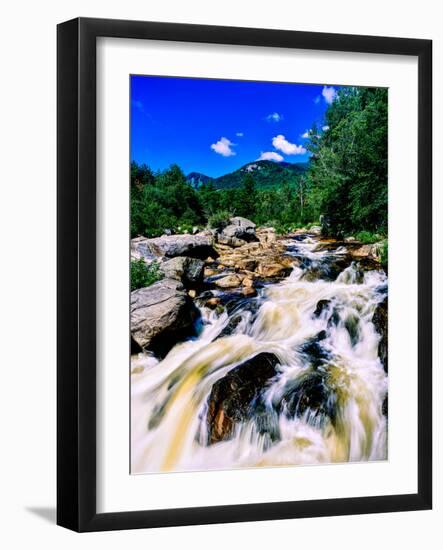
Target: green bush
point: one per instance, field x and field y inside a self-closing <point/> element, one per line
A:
<point x="384" y="254"/>
<point x="163" y="200"/>
<point x="143" y="275"/>
<point x="366" y="237"/>
<point x="219" y="220"/>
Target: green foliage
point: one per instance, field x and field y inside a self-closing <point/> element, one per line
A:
<point x="247" y="197"/>
<point x="143" y="275"/>
<point x="366" y="237"/>
<point x="219" y="219"/>
<point x="162" y="201"/>
<point x="348" y="173"/>
<point x="384" y="254"/>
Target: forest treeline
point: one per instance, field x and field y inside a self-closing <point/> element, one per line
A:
<point x="345" y="186"/>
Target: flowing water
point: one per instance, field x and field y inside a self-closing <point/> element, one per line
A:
<point x="169" y="401"/>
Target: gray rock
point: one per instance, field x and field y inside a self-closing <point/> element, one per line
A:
<point x="196" y="246"/>
<point x="187" y="270"/>
<point x="238" y="232"/>
<point x="140" y="249"/>
<point x="161" y="314"/>
<point x="230" y="241"/>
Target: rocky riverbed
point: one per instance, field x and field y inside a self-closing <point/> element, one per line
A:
<point x="211" y="268"/>
<point x="271" y="348"/>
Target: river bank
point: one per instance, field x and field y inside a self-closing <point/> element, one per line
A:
<point x="274" y="352"/>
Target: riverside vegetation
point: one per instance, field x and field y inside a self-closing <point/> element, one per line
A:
<point x="259" y="305"/>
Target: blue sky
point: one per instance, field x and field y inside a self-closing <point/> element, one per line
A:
<point x="216" y="126"/>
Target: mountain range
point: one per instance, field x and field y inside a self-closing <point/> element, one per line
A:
<point x="266" y="174"/>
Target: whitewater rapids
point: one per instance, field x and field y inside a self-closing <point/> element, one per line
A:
<point x="169" y="398"/>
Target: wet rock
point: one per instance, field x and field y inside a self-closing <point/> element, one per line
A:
<point x="274" y="269"/>
<point x="195" y="246"/>
<point x="248" y="282"/>
<point x="327" y="269"/>
<point x="233" y="398"/>
<point x="380" y="320"/>
<point x="161" y="315"/>
<point x="249" y="291"/>
<point x="212" y="303"/>
<point x="352" y="325"/>
<point x="230" y="281"/>
<point x="187" y="270"/>
<point x="237" y="307"/>
<point x="322" y="305"/>
<point x="310" y="394"/>
<point x="385" y="406"/>
<point x="314" y="352"/>
<point x="209" y="272"/>
<point x="331" y="245"/>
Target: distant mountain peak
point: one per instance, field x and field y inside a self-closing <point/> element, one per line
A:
<point x="267" y="173"/>
<point x="197" y="179"/>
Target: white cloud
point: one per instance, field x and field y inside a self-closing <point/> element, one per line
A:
<point x="223" y="147"/>
<point x="239" y="134"/>
<point x="274" y="117"/>
<point x="282" y="144"/>
<point x="270" y="155"/>
<point x="329" y="93"/>
<point x="306" y="134"/>
<point x="325" y="128"/>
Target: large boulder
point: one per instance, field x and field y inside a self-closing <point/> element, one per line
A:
<point x="187" y="270"/>
<point x="380" y="320"/>
<point x="161" y="314"/>
<point x="233" y="397"/>
<point x="238" y="232"/>
<point x="140" y="249"/>
<point x="195" y="246"/>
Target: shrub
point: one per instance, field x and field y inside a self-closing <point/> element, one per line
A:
<point x="219" y="220"/>
<point x="366" y="237"/>
<point x="384" y="254"/>
<point x="143" y="275"/>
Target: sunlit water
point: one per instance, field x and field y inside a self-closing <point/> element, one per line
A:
<point x="169" y="429"/>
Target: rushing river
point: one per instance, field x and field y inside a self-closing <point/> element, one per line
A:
<point x="169" y="401"/>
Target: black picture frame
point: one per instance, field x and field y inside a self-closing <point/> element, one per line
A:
<point x="76" y="281"/>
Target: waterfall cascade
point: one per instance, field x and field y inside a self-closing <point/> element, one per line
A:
<point x="324" y="403"/>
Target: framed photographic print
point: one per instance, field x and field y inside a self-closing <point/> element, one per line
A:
<point x="244" y="274"/>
